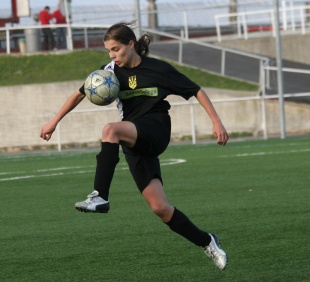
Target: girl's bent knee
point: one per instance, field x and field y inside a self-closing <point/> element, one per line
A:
<point x="162" y="211"/>
<point x="108" y="130"/>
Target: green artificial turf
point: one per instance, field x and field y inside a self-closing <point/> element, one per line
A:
<point x="253" y="194"/>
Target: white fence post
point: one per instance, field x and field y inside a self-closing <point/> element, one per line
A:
<point x="245" y="27"/>
<point x="302" y="20"/>
<point x="86" y="38"/>
<point x="263" y="101"/>
<point x="181" y="46"/>
<point x="223" y="62"/>
<point x="273" y="23"/>
<point x="58" y="137"/>
<point x="185" y="24"/>
<point x="8" y="46"/>
<point x="69" y="30"/>
<point x="284" y="18"/>
<point x="239" y="27"/>
<point x="218" y="29"/>
<point x="292" y="15"/>
<point x="193" y="123"/>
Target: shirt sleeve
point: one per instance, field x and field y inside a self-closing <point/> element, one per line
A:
<point x="179" y="84"/>
<point x="82" y="89"/>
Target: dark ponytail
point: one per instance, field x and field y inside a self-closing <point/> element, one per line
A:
<point x="142" y="45"/>
<point x="123" y="33"/>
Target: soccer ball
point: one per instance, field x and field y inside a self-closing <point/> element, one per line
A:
<point x="101" y="87"/>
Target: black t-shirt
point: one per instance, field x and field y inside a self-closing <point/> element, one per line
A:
<point x="144" y="87"/>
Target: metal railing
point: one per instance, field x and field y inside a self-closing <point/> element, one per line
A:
<point x="83" y="30"/>
<point x="294" y="20"/>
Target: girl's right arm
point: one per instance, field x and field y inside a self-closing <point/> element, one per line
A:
<point x="48" y="129"/>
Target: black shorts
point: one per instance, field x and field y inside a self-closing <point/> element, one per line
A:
<point x="154" y="132"/>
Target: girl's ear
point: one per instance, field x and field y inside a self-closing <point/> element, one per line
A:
<point x="131" y="44"/>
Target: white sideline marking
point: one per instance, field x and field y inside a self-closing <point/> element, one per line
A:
<point x="60" y="168"/>
<point x="121" y="166"/>
<point x="11" y="172"/>
<point x="172" y="161"/>
<point x="264" y="153"/>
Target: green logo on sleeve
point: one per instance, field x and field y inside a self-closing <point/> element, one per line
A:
<point x="127" y="94"/>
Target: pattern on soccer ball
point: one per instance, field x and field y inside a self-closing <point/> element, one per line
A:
<point x="102" y="87"/>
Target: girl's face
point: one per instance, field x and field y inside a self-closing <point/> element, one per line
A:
<point x="122" y="55"/>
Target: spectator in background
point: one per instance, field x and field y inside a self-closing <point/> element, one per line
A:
<point x="60" y="31"/>
<point x="45" y="18"/>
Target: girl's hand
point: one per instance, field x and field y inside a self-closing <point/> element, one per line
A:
<point x="220" y="133"/>
<point x="47" y="130"/>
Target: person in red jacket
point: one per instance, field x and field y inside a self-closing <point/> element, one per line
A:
<point x="60" y="31"/>
<point x="45" y="18"/>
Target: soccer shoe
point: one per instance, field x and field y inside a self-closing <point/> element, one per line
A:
<point x="94" y="204"/>
<point x="215" y="252"/>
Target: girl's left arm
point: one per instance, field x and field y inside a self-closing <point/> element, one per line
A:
<point x="219" y="130"/>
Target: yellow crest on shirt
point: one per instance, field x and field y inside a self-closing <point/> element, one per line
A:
<point x="132" y="81"/>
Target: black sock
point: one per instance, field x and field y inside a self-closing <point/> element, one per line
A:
<point x="107" y="160"/>
<point x="180" y="224"/>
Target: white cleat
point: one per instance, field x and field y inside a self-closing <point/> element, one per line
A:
<point x="215" y="252"/>
<point x="94" y="203"/>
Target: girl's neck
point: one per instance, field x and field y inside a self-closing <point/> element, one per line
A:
<point x="136" y="60"/>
